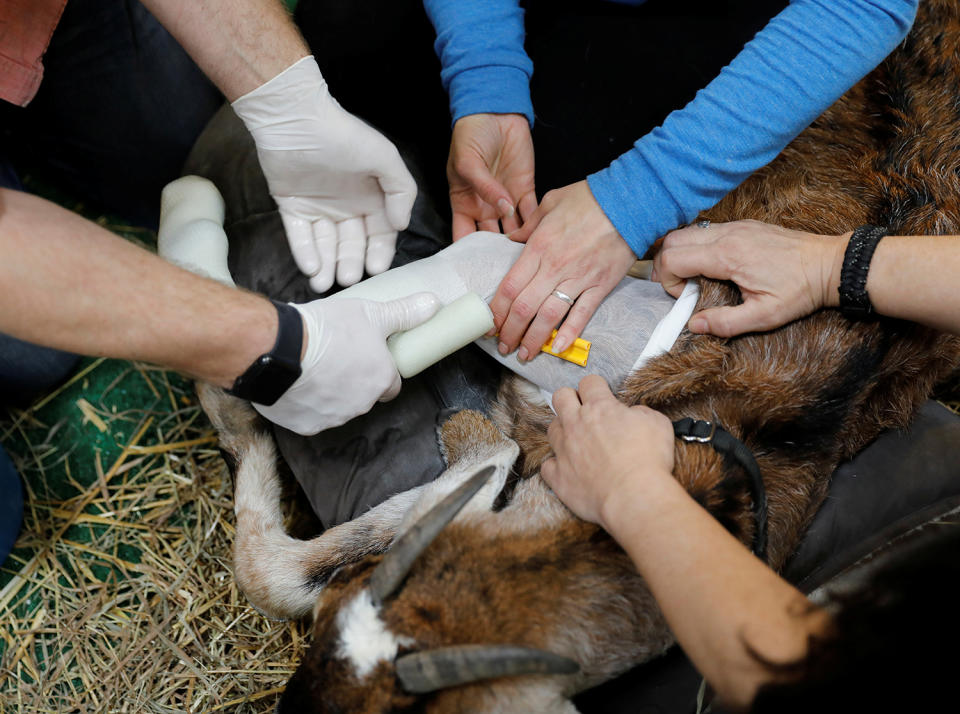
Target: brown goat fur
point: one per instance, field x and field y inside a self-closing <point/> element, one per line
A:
<point x="813" y="393"/>
<point x="515" y="567"/>
<point x="518" y="582"/>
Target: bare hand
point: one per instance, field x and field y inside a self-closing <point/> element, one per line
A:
<point x="490" y="171"/>
<point x="782" y="274"/>
<point x="603" y="448"/>
<point x="571" y="247"/>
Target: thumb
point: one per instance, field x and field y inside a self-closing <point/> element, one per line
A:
<point x="393" y="390"/>
<point x="403" y="314"/>
<point x="729" y="321"/>
<point x="399" y="193"/>
<point x="523" y="233"/>
<point x="491" y="191"/>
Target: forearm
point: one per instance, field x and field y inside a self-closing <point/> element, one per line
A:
<point x="68" y="283"/>
<point x="783" y="79"/>
<point x="910" y="277"/>
<point x="717" y="597"/>
<point x="238" y="44"/>
<point x="480" y="47"/>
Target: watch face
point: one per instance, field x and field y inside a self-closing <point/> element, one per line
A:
<point x="266" y="380"/>
<point x="273" y="373"/>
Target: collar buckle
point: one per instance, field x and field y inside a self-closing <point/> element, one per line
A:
<point x="696" y="430"/>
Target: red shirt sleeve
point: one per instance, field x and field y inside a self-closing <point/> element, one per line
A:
<point x="25" y="30"/>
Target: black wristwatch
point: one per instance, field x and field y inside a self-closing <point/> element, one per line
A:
<point x="854" y="299"/>
<point x="272" y="373"/>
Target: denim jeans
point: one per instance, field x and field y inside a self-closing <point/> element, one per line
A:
<point x="11" y="505"/>
<point x="120" y="106"/>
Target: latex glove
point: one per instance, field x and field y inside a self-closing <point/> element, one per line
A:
<point x="342" y="189"/>
<point x="346" y="367"/>
<point x="782" y="274"/>
<point x="490" y="172"/>
<point x="571" y="247"/>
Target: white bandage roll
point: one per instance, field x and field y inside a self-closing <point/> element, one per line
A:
<point x="461" y="276"/>
<point x="191" y="231"/>
<point x="454" y="326"/>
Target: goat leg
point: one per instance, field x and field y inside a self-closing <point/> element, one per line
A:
<point x="280" y="575"/>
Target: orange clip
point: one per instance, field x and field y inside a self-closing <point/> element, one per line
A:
<point x="576" y="353"/>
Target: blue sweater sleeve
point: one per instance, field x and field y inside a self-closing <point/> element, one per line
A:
<point x="480" y="46"/>
<point x="797" y="66"/>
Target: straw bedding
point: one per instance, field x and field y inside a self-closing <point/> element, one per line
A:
<point x="123" y="597"/>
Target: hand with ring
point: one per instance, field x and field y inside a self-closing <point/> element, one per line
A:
<point x="572" y="260"/>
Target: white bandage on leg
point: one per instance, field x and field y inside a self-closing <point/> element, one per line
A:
<point x="620" y="330"/>
<point x="636" y="321"/>
<point x="474" y="264"/>
<point x="633" y="315"/>
<point x="191" y="231"/>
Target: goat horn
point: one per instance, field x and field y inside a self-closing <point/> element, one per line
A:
<point x="430" y="670"/>
<point x="395" y="565"/>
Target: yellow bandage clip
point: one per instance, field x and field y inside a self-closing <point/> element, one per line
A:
<point x="576" y="353"/>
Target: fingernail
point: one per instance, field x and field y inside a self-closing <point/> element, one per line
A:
<point x="523" y="355"/>
<point x="502" y="348"/>
<point x="559" y="345"/>
<point x="698" y="324"/>
<point x="506" y="208"/>
<point x="492" y="332"/>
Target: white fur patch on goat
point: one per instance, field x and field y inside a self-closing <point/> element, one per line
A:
<point x="364" y="638"/>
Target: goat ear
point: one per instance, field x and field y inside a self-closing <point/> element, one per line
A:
<point x="391" y="571"/>
<point x="430" y="670"/>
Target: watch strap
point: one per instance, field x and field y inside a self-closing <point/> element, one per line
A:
<point x="854" y="298"/>
<point x="272" y="373"/>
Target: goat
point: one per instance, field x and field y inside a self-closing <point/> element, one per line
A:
<point x="516" y="605"/>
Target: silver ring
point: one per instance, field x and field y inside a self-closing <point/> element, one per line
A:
<point x="705" y="223"/>
<point x="563" y="296"/>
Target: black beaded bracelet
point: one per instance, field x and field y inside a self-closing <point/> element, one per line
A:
<point x="854" y="299"/>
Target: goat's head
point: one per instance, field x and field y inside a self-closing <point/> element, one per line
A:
<point x="367" y="656"/>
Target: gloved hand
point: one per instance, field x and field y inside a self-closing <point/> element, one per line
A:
<point x="342" y="189"/>
<point x="346" y="367"/>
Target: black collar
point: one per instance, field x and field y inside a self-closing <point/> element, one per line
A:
<point x="705" y="432"/>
